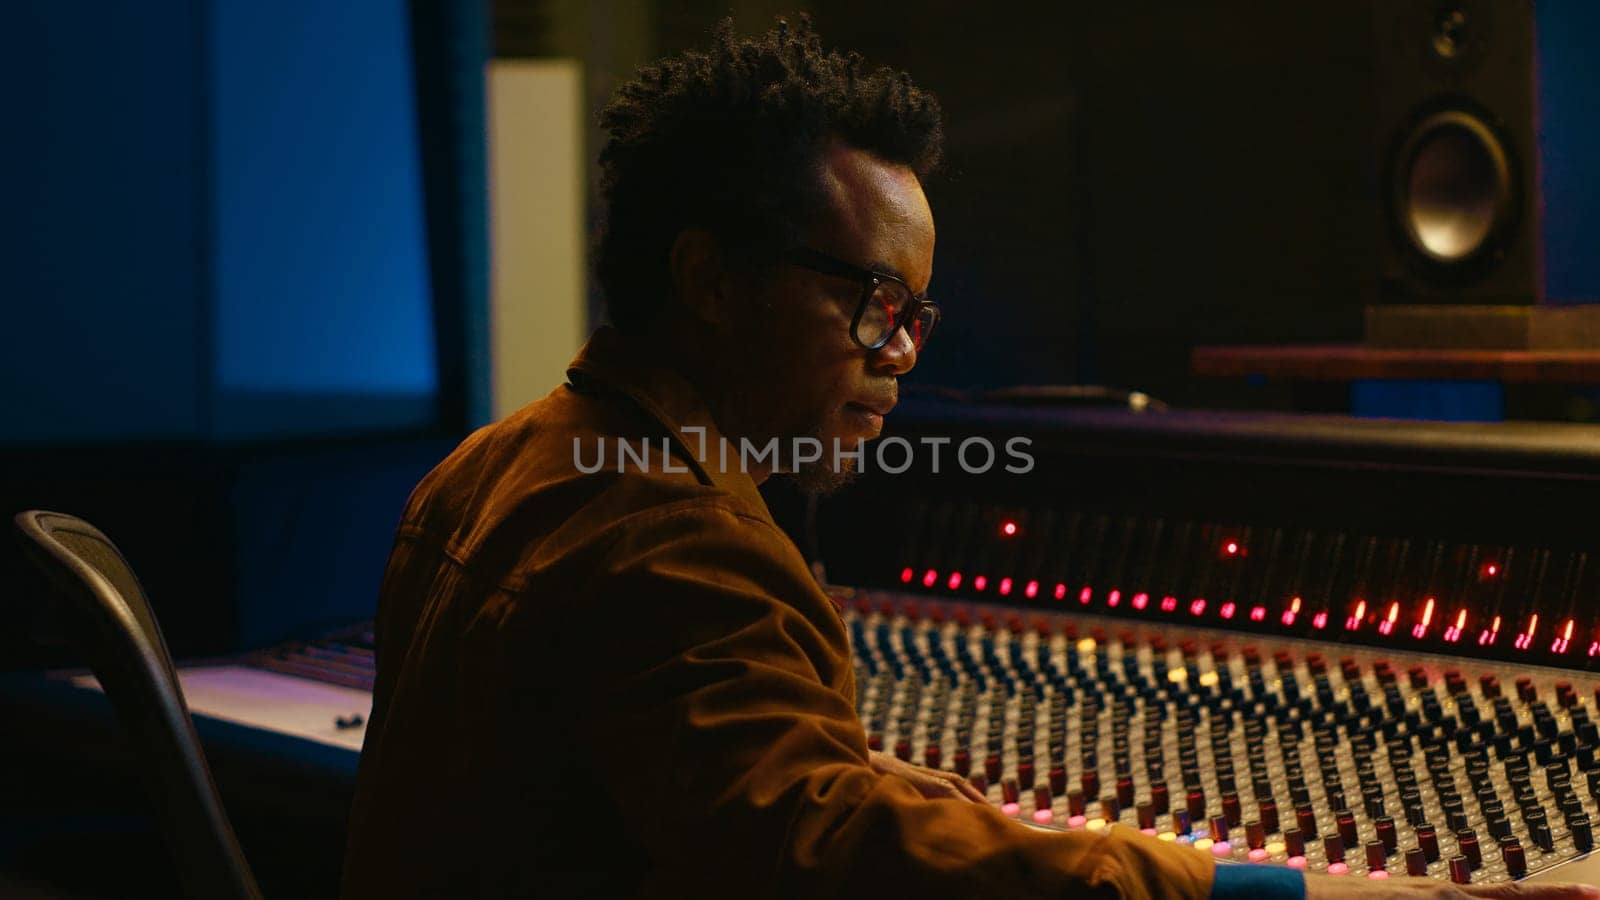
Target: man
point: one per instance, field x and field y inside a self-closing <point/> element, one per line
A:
<point x="613" y="675"/>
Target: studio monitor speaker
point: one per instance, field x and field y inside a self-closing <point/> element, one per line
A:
<point x="1457" y="159"/>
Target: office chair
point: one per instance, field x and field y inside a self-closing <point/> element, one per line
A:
<point x="112" y="623"/>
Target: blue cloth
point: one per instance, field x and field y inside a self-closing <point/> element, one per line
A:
<point x="1258" y="883"/>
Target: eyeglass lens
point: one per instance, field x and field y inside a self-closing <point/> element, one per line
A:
<point x="883" y="311"/>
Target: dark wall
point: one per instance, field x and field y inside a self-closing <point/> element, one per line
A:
<point x="1569" y="144"/>
<point x="1128" y="180"/>
<point x="101" y="292"/>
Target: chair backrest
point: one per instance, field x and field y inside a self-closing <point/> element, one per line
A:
<point x="112" y="623"/>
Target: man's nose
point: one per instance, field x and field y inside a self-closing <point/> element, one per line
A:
<point x="898" y="356"/>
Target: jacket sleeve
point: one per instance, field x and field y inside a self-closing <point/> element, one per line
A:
<point x="719" y="720"/>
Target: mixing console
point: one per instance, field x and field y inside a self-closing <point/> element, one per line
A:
<point x="1341" y="760"/>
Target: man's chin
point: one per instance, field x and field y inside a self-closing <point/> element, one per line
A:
<point x="824" y="476"/>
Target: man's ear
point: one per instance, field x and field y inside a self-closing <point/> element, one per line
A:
<point x="699" y="275"/>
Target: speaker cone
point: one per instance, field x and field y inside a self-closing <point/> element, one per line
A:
<point x="1453" y="188"/>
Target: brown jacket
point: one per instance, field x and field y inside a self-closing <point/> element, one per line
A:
<point x="630" y="685"/>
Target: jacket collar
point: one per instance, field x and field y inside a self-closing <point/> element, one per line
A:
<point x="628" y="366"/>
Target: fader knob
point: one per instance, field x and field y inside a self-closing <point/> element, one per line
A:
<point x="1376" y="857"/>
<point x="1582" y="835"/>
<point x="1467" y="841"/>
<point x="1428" y="840"/>
<point x="1146" y="813"/>
<point x="1269" y="815"/>
<point x="1306" y="818"/>
<point x="1346" y="822"/>
<point x="1516" y="859"/>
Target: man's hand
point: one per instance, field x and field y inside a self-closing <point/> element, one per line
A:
<point x="936" y="785"/>
<point x="1338" y="887"/>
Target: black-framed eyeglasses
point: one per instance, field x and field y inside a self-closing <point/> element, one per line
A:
<point x="887" y="303"/>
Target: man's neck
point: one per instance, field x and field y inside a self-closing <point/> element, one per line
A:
<point x="680" y="349"/>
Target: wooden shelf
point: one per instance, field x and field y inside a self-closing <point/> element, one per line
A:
<point x="1355" y="362"/>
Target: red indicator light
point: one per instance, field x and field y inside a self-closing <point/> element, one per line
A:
<point x="906" y="575"/>
<point x="1228" y="609"/>
<point x="1560" y="644"/>
<point x="1420" y="630"/>
<point x="1141" y="600"/>
<point x="1032" y="590"/>
<point x="1488" y="636"/>
<point x="1525" y="640"/>
<point x="1292" y="612"/>
<point x="1320" y="620"/>
<point x="1085" y="595"/>
<point x="930" y="578"/>
<point x="1594" y="648"/>
<point x="1061" y="591"/>
<point x="1490" y="570"/>
<point x="1169" y="603"/>
<point x="1354" y="622"/>
<point x="1113" y="598"/>
<point x="1258" y="614"/>
<point x="955" y="580"/>
<point x="1231" y="548"/>
<point x="1453" y="633"/>
<point x="1197" y="606"/>
<point x="1386" y="627"/>
<point x="1005" y="586"/>
<point x="979" y="583"/>
<point x="1009" y="529"/>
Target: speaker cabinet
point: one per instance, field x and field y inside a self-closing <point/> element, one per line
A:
<point x="1457" y="159"/>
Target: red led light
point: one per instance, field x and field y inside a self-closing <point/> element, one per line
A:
<point x="1386" y="627"/>
<point x="1197" y="606"/>
<point x="930" y="578"/>
<point x="1491" y="570"/>
<point x="1594" y="649"/>
<point x="1292" y="612"/>
<point x="1231" y="548"/>
<point x="1228" y="609"/>
<point x="1031" y="590"/>
<point x="1488" y="636"/>
<point x="1061" y="591"/>
<point x="1420" y="630"/>
<point x="1258" y="614"/>
<point x="1525" y="640"/>
<point x="1560" y="644"/>
<point x="1009" y="529"/>
<point x="1169" y="603"/>
<point x="1085" y="595"/>
<point x="1141" y="600"/>
<point x="1005" y="586"/>
<point x="1320" y="620"/>
<point x="955" y="580"/>
<point x="1453" y="633"/>
<point x="1113" y="598"/>
<point x="1354" y="622"/>
<point x="979" y="583"/>
<point x="906" y="575"/>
